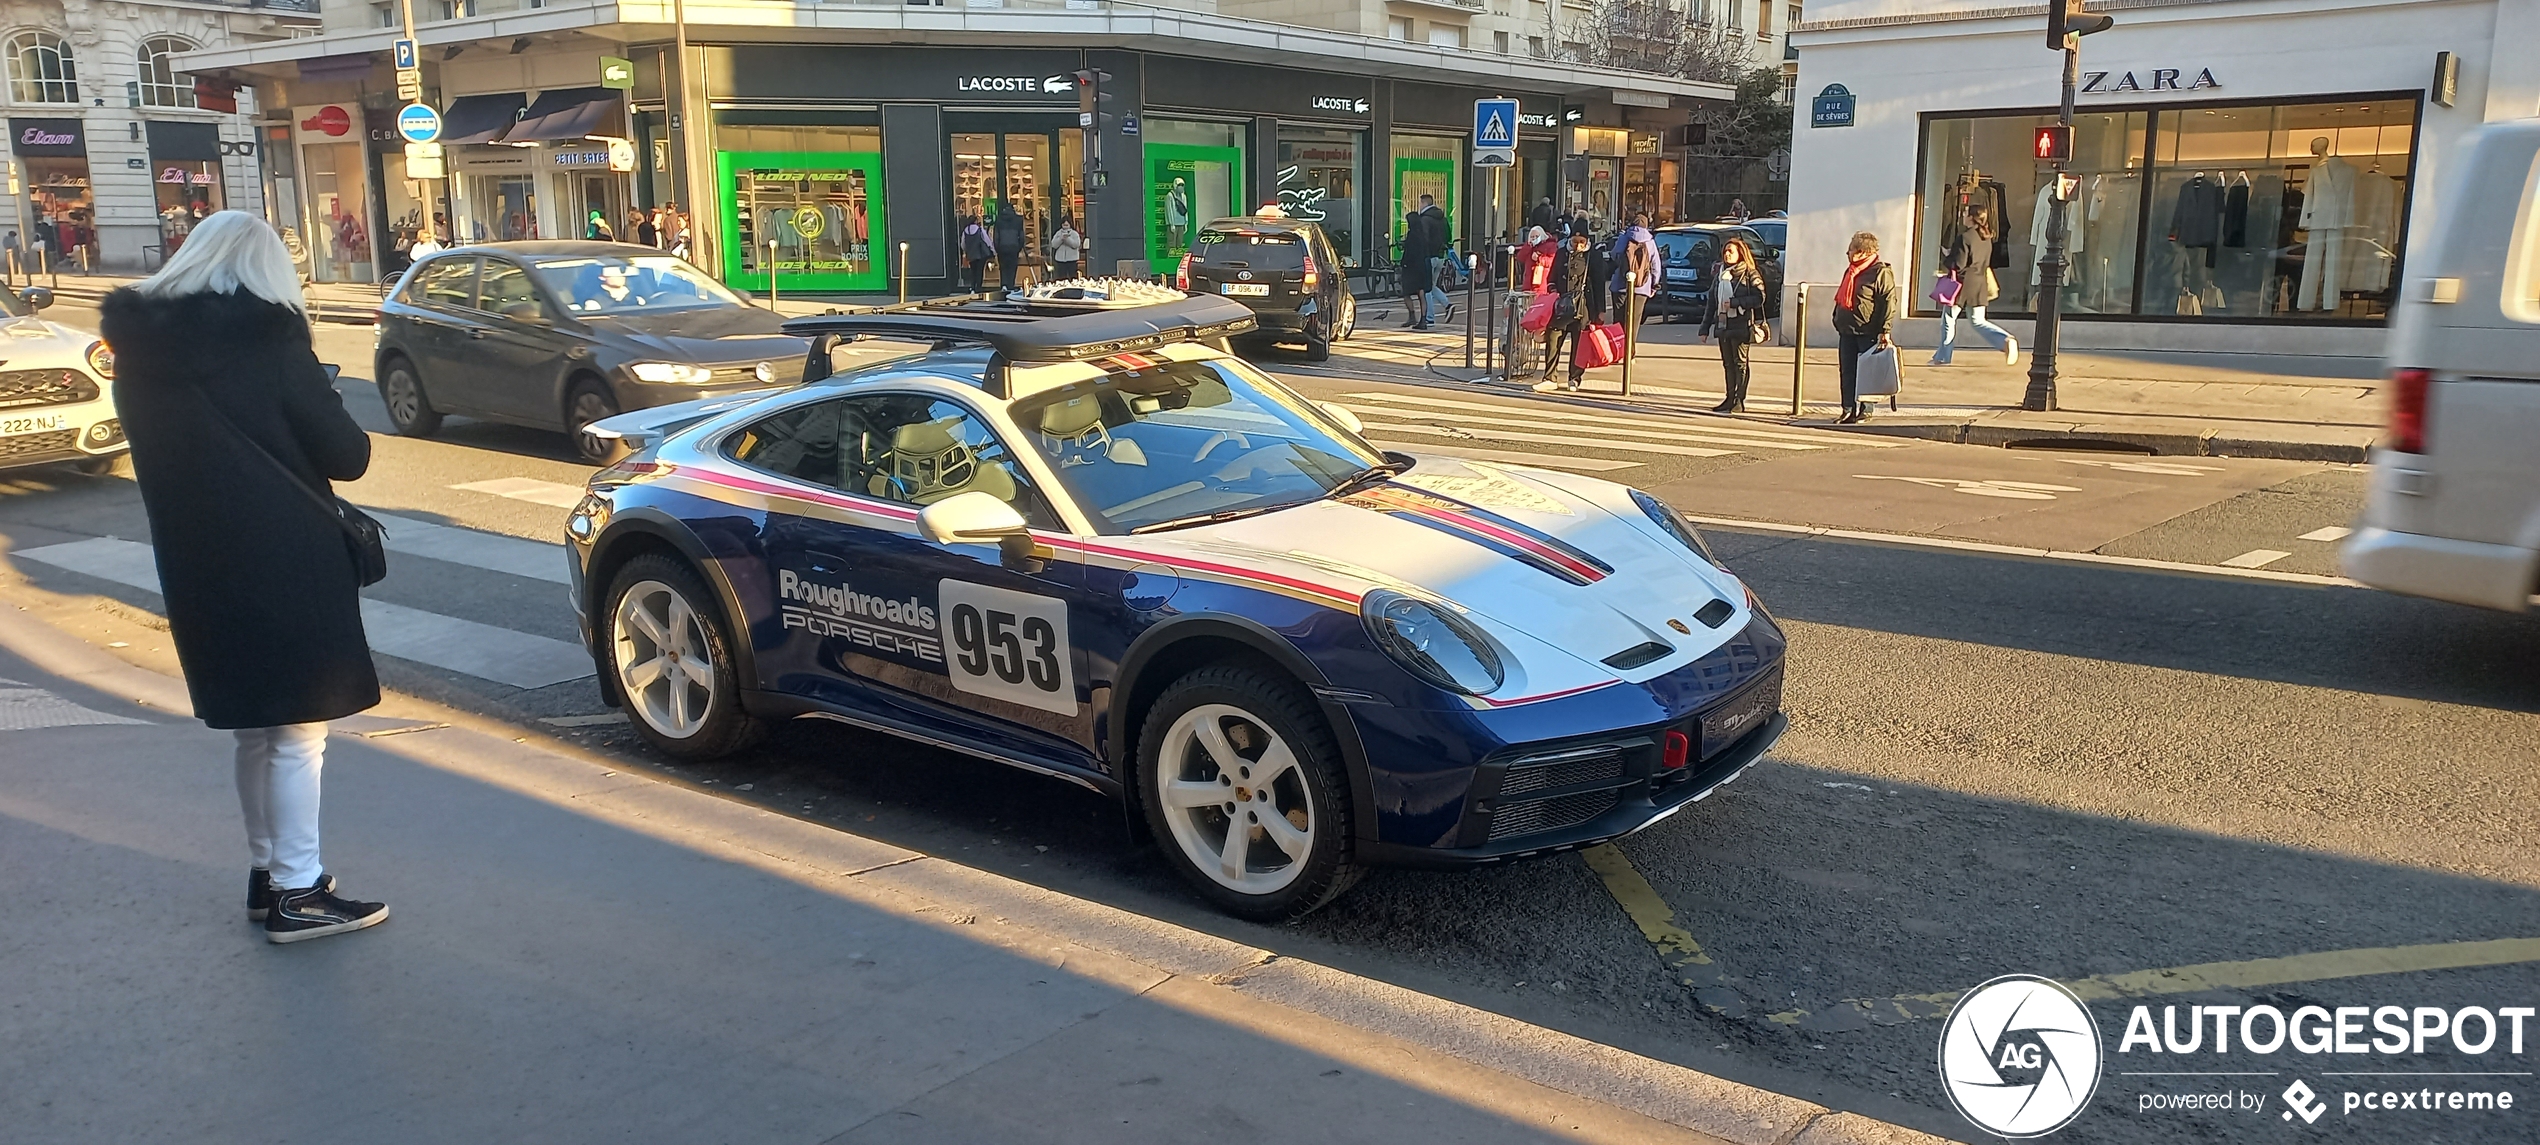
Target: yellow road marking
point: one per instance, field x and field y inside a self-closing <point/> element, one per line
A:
<point x="1657" y="921"/>
<point x="2250" y="974"/>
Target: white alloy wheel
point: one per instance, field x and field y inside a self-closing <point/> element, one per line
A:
<point x="665" y="665"/>
<point x="1235" y="799"/>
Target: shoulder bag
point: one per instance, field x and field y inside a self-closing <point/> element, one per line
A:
<point x="364" y="537"/>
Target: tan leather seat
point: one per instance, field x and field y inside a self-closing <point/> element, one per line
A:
<point x="930" y="464"/>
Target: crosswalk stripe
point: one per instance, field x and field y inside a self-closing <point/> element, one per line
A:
<point x="539" y="560"/>
<point x="1589" y="430"/>
<point x="1549" y="439"/>
<point x="465" y="646"/>
<point x="26" y="708"/>
<point x="1539" y="460"/>
<point x="1670" y="426"/>
<point x="528" y="489"/>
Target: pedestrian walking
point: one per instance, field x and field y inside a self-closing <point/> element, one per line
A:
<point x="1637" y="262"/>
<point x="1600" y="277"/>
<point x="1735" y="316"/>
<point x="597" y="228"/>
<point x="1530" y="276"/>
<point x="1435" y="305"/>
<point x="1414" y="269"/>
<point x="1966" y="273"/>
<point x="674" y="230"/>
<point x="1008" y="241"/>
<point x="640" y="228"/>
<point x="1572" y="276"/>
<point x="235" y="431"/>
<point x="975" y="252"/>
<point x="1864" y="317"/>
<point x="1542" y="217"/>
<point x="1067" y="249"/>
<point x="423" y="246"/>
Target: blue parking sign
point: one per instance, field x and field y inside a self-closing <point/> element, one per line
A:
<point x="405" y="53"/>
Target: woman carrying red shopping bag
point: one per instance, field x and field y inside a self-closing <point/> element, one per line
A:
<point x="1569" y="288"/>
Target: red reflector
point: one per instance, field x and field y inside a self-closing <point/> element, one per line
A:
<point x="2407" y="410"/>
<point x="1182" y="274"/>
<point x="1675" y="749"/>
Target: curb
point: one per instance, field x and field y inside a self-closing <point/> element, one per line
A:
<point x="2195" y="442"/>
<point x="1514" y="1068"/>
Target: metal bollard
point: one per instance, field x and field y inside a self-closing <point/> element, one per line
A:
<point x="771" y="277"/>
<point x="1472" y="264"/>
<point x="1799" y="349"/>
<point x="903" y="274"/>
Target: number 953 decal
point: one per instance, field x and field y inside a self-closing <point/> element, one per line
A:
<point x="1007" y="644"/>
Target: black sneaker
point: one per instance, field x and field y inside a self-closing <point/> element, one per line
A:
<point x="260" y="891"/>
<point x="316" y="913"/>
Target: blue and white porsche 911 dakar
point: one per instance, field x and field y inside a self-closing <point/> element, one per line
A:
<point x="1094" y="545"/>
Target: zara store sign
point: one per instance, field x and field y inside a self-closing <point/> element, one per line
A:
<point x="2162" y="79"/>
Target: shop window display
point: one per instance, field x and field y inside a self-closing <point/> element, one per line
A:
<point x="1319" y="176"/>
<point x="1425" y="165"/>
<point x="2234" y="212"/>
<point x="818" y="208"/>
<point x="58" y="192"/>
<point x="1195" y="173"/>
<point x="188" y="190"/>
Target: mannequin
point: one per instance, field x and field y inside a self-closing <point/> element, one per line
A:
<point x="2328" y="208"/>
<point x="2037" y="232"/>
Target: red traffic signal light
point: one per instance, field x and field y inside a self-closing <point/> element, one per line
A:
<point x="2054" y="143"/>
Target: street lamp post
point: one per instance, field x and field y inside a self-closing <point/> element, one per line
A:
<point x="2066" y="24"/>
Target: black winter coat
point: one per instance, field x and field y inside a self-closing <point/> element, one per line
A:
<point x="262" y="597"/>
<point x="1873" y="310"/>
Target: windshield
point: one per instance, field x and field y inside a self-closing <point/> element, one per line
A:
<point x="652" y="284"/>
<point x="1187" y="439"/>
<point x="12" y="306"/>
<point x="1771" y="233"/>
<point x="1686" y="248"/>
<point x="1247" y="249"/>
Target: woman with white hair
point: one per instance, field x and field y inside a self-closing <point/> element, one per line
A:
<point x="235" y="431"/>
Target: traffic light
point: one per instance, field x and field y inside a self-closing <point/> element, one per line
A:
<point x="2065" y="18"/>
<point x="2054" y="143"/>
<point x="1091" y="116"/>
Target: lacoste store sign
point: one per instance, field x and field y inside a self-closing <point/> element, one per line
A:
<point x="1017" y="85"/>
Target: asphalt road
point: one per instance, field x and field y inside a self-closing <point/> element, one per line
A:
<point x="1996" y="763"/>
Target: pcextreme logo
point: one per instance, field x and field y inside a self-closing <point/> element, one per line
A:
<point x="2020" y="1056"/>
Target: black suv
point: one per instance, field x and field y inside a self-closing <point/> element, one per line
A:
<point x="1690" y="249"/>
<point x="1283" y="269"/>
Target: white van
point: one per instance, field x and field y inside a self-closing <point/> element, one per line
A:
<point x="2454" y="506"/>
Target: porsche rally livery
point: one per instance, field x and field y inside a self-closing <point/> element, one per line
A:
<point x="1093" y="545"/>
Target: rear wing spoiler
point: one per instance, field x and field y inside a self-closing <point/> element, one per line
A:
<point x="1021" y="333"/>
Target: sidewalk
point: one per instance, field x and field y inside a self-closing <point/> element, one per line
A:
<point x="356" y="302"/>
<point x="579" y="953"/>
<point x="2306" y="409"/>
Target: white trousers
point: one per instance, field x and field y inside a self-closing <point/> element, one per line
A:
<point x="2323" y="269"/>
<point x="278" y="791"/>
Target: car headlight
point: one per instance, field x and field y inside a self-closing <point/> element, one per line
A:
<point x="1433" y="643"/>
<point x="1675" y="524"/>
<point x="101" y="359"/>
<point x="674" y="373"/>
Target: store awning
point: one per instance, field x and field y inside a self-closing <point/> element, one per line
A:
<point x="572" y="113"/>
<point x="481" y="118"/>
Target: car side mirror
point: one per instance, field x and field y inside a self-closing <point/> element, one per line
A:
<point x="1341" y="413"/>
<point x="36" y="297"/>
<point x="970" y="518"/>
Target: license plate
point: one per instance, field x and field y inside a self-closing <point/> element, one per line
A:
<point x="1742" y="714"/>
<point x="32" y="423"/>
<point x="1249" y="289"/>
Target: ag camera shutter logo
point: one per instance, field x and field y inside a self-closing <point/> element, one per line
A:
<point x="2020" y="1056"/>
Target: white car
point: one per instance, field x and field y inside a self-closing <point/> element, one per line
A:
<point x="56" y="400"/>
<point x="2453" y="511"/>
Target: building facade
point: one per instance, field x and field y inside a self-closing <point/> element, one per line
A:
<point x="113" y="153"/>
<point x="2252" y="174"/>
<point x="841" y="148"/>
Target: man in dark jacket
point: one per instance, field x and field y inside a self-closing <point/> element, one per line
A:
<point x="1009" y="243"/>
<point x="1417" y="270"/>
<point x="1864" y="318"/>
<point x="236" y="430"/>
<point x="1542" y="216"/>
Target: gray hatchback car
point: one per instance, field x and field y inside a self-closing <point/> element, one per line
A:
<point x="557" y="335"/>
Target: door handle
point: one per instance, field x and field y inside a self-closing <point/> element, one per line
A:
<point x="476" y="333"/>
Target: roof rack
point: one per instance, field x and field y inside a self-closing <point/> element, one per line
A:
<point x="1023" y="332"/>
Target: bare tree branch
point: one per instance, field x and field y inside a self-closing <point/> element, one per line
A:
<point x="1659" y="38"/>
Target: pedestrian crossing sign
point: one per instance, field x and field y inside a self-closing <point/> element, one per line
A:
<point x="1494" y="132"/>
